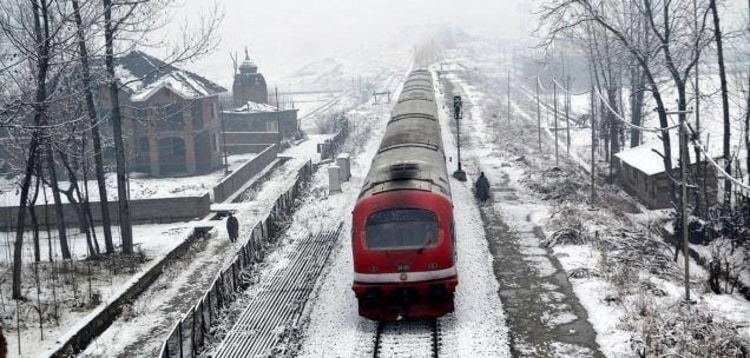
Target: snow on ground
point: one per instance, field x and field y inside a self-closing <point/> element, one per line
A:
<point x="154" y="241"/>
<point x="333" y="326"/>
<point x="622" y="311"/>
<point x="156" y="309"/>
<point x="479" y="313"/>
<point x="475" y="329"/>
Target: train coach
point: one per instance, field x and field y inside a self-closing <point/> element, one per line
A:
<point x="403" y="238"/>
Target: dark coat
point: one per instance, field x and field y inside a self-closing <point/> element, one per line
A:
<point x="482" y="188"/>
<point x="233" y="227"/>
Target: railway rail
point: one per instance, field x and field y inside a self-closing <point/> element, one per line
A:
<point x="407" y="339"/>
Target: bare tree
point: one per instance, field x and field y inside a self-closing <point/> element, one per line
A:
<point x="94" y="120"/>
<point x="139" y="17"/>
<point x="41" y="55"/>
<point x="724" y="104"/>
<point x="677" y="46"/>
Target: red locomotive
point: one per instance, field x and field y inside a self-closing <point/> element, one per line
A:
<point x="403" y="240"/>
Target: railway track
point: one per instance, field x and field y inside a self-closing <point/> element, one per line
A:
<point x="280" y="300"/>
<point x="414" y="339"/>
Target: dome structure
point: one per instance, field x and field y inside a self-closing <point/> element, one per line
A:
<point x="248" y="66"/>
<point x="249" y="85"/>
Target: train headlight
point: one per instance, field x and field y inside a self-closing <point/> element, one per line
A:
<point x="432" y="266"/>
<point x="373" y="269"/>
<point x="403" y="276"/>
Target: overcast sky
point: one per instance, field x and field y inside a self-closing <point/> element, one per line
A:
<point x="283" y="35"/>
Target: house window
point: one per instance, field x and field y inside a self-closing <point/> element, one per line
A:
<point x="178" y="147"/>
<point x="141" y="114"/>
<point x="213" y="110"/>
<point x="197" y="114"/>
<point x="174" y="116"/>
<point x="143" y="145"/>
<point x="272" y="126"/>
<point x="216" y="142"/>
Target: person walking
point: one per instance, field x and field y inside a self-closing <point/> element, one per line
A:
<point x="233" y="227"/>
<point x="482" y="188"/>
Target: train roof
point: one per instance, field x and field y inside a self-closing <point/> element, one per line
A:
<point x="411" y="151"/>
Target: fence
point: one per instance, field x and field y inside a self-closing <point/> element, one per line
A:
<point x="331" y="146"/>
<point x="188" y="337"/>
<point x="236" y="180"/>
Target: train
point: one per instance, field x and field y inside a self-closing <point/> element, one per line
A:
<point x="403" y="237"/>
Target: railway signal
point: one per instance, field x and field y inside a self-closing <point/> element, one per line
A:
<point x="459" y="174"/>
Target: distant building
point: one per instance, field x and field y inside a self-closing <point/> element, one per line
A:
<point x="170" y="117"/>
<point x="642" y="174"/>
<point x="249" y="85"/>
<point x="253" y="124"/>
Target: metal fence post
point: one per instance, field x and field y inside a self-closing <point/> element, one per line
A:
<point x="179" y="337"/>
<point x="192" y="336"/>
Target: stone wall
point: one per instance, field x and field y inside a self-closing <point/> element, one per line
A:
<point x="249" y="142"/>
<point x="142" y="211"/>
<point x="241" y="176"/>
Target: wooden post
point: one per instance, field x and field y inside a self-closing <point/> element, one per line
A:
<point x="593" y="148"/>
<point x="538" y="115"/>
<point x="554" y="94"/>
<point x="683" y="178"/>
<point x="567" y="113"/>
<point x="508" y="95"/>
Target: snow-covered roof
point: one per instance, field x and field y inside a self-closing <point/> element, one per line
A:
<point x="143" y="75"/>
<point x="254" y="107"/>
<point x="645" y="158"/>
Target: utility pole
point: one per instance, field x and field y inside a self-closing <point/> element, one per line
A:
<point x="593" y="147"/>
<point x="278" y="120"/>
<point x="567" y="113"/>
<point x="684" y="162"/>
<point x="554" y="109"/>
<point x="224" y="139"/>
<point x="508" y="95"/>
<point x="459" y="174"/>
<point x="538" y="115"/>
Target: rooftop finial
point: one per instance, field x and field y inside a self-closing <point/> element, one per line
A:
<point x="247" y="55"/>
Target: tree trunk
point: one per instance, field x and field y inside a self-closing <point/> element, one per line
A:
<point x="34" y="221"/>
<point x="636" y="105"/>
<point x="95" y="136"/>
<point x="42" y="66"/>
<point x="614" y="124"/>
<point x="80" y="207"/>
<point x="59" y="216"/>
<point x="724" y="105"/>
<point x="122" y="197"/>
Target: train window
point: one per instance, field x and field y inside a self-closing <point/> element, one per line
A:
<point x="401" y="229"/>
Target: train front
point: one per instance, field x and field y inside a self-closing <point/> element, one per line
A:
<point x="404" y="262"/>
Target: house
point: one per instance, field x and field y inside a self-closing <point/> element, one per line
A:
<point x="169" y="117"/>
<point x="642" y="174"/>
<point x="253" y="124"/>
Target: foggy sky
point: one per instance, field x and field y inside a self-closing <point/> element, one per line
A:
<point x="284" y="35"/>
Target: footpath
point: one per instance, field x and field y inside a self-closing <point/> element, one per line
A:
<point x="543" y="314"/>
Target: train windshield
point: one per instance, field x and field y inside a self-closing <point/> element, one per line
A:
<point x="401" y="229"/>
